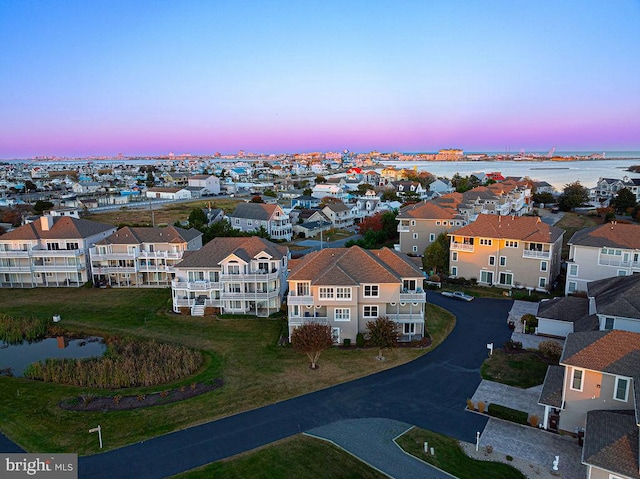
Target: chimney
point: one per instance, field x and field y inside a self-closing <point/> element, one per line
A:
<point x="46" y="222"/>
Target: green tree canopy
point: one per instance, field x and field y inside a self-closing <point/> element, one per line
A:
<point x="40" y="206"/>
<point x="197" y="218"/>
<point x="624" y="200"/>
<point x="573" y="195"/>
<point x="436" y="255"/>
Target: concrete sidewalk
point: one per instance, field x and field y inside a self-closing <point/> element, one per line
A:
<point x="490" y="392"/>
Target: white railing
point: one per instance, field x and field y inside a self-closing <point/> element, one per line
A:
<point x="252" y="277"/>
<point x="113" y="269"/>
<point x="403" y="228"/>
<point x="300" y="320"/>
<point x="529" y="253"/>
<point x="195" y="285"/>
<point x="294" y="299"/>
<point x="461" y="247"/>
<point x="18" y="253"/>
<point x="58" y="267"/>
<point x="406" y="318"/>
<point x="61" y="253"/>
<point x="248" y="295"/>
<point x="160" y="254"/>
<point x="188" y="302"/>
<point x="15" y="269"/>
<point x="413" y="297"/>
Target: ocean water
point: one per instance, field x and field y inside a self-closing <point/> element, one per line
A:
<point x="556" y="173"/>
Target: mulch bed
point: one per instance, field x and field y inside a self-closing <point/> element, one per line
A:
<point x="125" y="403"/>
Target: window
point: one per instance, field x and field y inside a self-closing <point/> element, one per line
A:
<point x="485" y="242"/>
<point x="542" y="282"/>
<point x="409" y="284"/>
<point x="506" y="279"/>
<point x="543" y="265"/>
<point x="249" y="223"/>
<point x="621" y="390"/>
<point x="342" y="314"/>
<point x="326" y="293"/>
<point x="622" y="272"/>
<point x="510" y="244"/>
<point x="415" y="235"/>
<point x="72" y="245"/>
<point x="503" y="260"/>
<point x="608" y="323"/>
<point x="414" y="249"/>
<point x="295" y="311"/>
<point x="335" y="335"/>
<point x="492" y="260"/>
<point x="343" y="293"/>
<point x="576" y="380"/>
<point x="572" y="287"/>
<point x="235" y="304"/>
<point x="438" y="223"/>
<point x="573" y="270"/>
<point x="454" y="256"/>
<point x="237" y="221"/>
<point x="370" y="312"/>
<point x="233" y="269"/>
<point x="371" y="290"/>
<point x="413" y="222"/>
<point x="486" y="277"/>
<point x="409" y="328"/>
<point x="454" y="271"/>
<point x="53" y="246"/>
<point x="432" y="237"/>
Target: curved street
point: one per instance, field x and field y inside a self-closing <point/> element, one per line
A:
<point x="429" y="392"/>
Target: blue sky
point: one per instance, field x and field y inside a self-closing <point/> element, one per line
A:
<point x="102" y="77"/>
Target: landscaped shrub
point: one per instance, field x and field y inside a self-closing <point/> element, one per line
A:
<point x="481" y="406"/>
<point x="346" y="342"/>
<point x="360" y="340"/>
<point x="530" y="322"/>
<point x="470" y="405"/>
<point x="124" y="364"/>
<point x="508" y="414"/>
<point x="551" y="349"/>
<point x="513" y="345"/>
<point x="534" y="420"/>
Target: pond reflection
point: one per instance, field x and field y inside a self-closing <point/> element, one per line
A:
<point x="14" y="358"/>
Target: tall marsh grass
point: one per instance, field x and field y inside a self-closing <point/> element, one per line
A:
<point x="15" y="330"/>
<point x="126" y="363"/>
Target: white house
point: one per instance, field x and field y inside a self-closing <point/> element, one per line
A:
<point x="168" y="193"/>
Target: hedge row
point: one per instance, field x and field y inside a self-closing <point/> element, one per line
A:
<point x="508" y="414"/>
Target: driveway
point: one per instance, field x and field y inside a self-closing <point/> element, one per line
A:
<point x="429" y="392"/>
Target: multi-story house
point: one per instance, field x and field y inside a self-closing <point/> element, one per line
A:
<point x="250" y="217"/>
<point x="365" y="206"/>
<point x="507" y="251"/>
<point x="330" y="190"/>
<point x="607" y="188"/>
<point x="339" y="214"/>
<point x="231" y="275"/>
<point x="441" y="186"/>
<point x="135" y="257"/>
<point x="348" y="287"/>
<point x="601" y="252"/>
<point x="408" y="189"/>
<point x="204" y="185"/>
<point x="421" y="223"/>
<point x="51" y="251"/>
<point x="594" y="394"/>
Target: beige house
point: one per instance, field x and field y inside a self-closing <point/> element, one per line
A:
<point x="339" y="214"/>
<point x="600" y="252"/>
<point x="421" y="223"/>
<point x="51" y="251"/>
<point x="348" y="287"/>
<point x="134" y="257"/>
<point x="231" y="275"/>
<point x="507" y="251"/>
<point x="594" y="395"/>
<point x="251" y="217"/>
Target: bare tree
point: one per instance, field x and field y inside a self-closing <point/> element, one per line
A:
<point x="311" y="339"/>
<point x="383" y="334"/>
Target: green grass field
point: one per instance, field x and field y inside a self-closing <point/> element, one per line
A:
<point x="243" y="353"/>
<point x="524" y="369"/>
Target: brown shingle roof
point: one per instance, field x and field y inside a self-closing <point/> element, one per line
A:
<point x="170" y="234"/>
<point x="427" y="210"/>
<point x="353" y="266"/>
<point x="64" y="227"/>
<point x="212" y="253"/>
<point x="611" y="442"/>
<point x="611" y="235"/>
<point x="524" y="228"/>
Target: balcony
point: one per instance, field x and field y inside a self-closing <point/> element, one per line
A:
<point x="113" y="269"/>
<point x="403" y="228"/>
<point x="188" y="302"/>
<point x="58" y="253"/>
<point x="251" y="277"/>
<point x="22" y="268"/>
<point x="407" y="318"/>
<point x="303" y="300"/>
<point x="461" y="247"/>
<point x="300" y="320"/>
<point x="413" y="297"/>
<point x="529" y="253"/>
<point x="112" y="256"/>
<point x="255" y="295"/>
<point x="159" y="254"/>
<point x="47" y="268"/>
<point x="195" y="285"/>
<point x="18" y="253"/>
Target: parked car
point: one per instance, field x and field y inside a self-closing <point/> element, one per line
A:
<point x="457" y="295"/>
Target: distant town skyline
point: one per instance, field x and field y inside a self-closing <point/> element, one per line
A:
<point x="149" y="77"/>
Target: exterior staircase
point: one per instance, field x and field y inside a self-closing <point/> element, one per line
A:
<point x="197" y="309"/>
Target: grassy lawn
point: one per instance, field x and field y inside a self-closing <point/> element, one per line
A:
<point x="572" y="222"/>
<point x="524" y="369"/>
<point x="292" y="458"/>
<point x="450" y="457"/>
<point x="243" y="353"/>
<point x="167" y="213"/>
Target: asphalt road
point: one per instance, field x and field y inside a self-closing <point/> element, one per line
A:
<point x="429" y="392"/>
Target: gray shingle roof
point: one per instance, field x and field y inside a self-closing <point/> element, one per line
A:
<point x="570" y="308"/>
<point x="212" y="253"/>
<point x="551" y="394"/>
<point x="618" y="296"/>
<point x="611" y="442"/>
<point x="254" y="211"/>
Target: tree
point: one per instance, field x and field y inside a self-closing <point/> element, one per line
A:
<point x="624" y="200"/>
<point x="573" y="195"/>
<point x="320" y="179"/>
<point x="389" y="195"/>
<point x="545" y="198"/>
<point x="30" y="186"/>
<point x="383" y="334"/>
<point x="436" y="255"/>
<point x="307" y="192"/>
<point x="269" y="192"/>
<point x="364" y="187"/>
<point x="257" y="199"/>
<point x="41" y="206"/>
<point x="330" y="200"/>
<point x="197" y="218"/>
<point x="373" y="223"/>
<point x="311" y="339"/>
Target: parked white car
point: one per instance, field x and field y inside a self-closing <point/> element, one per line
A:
<point x="457" y="295"/>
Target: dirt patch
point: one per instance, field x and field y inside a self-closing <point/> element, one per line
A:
<point x="123" y="403"/>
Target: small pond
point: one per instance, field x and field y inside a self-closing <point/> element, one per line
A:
<point x="19" y="356"/>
